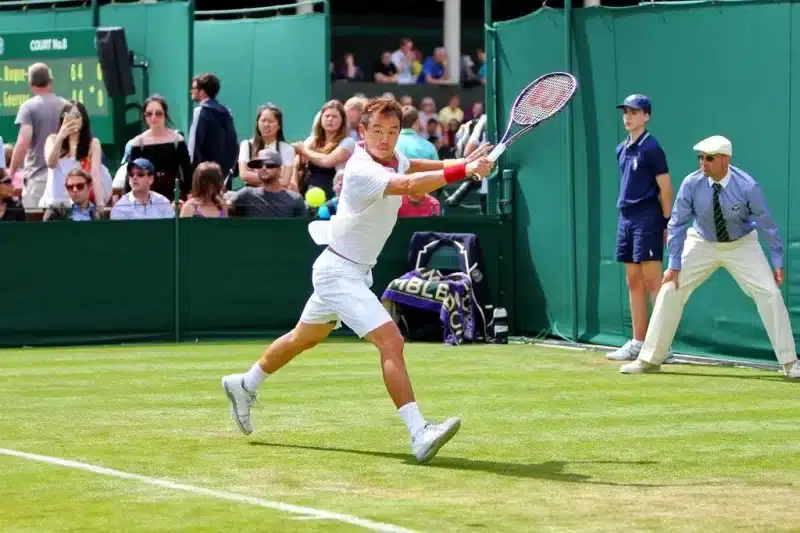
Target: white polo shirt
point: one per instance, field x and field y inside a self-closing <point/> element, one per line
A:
<point x="366" y="216"/>
<point x="128" y="208"/>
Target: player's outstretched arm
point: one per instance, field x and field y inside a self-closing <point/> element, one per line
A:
<point x="425" y="182"/>
<point x="430" y="165"/>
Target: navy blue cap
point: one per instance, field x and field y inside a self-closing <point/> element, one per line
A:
<point x="144" y="164"/>
<point x="637" y="101"/>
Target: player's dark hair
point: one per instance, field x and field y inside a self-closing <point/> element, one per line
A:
<point x="381" y="106"/>
<point x="410" y="116"/>
<point x="84" y="136"/>
<point x="160" y="100"/>
<point x="258" y="140"/>
<point x="209" y="83"/>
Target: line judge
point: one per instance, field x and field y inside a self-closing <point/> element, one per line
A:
<point x="726" y="205"/>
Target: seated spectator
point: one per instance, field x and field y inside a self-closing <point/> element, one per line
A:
<point x="269" y="200"/>
<point x="325" y="151"/>
<point x="433" y="132"/>
<point x="385" y="70"/>
<point x="406" y="100"/>
<point x="164" y="147"/>
<point x="482" y="69"/>
<point x="73" y="146"/>
<point x="403" y="58"/>
<point x="268" y="133"/>
<point x="78" y="185"/>
<point x="142" y="203"/>
<point x="434" y="70"/>
<point x="350" y="71"/>
<point x="206" y="195"/>
<point x="419" y="205"/>
<point x="18" y="179"/>
<point x="11" y="209"/>
<point x="452" y="111"/>
<point x="410" y="144"/>
<point x="427" y="112"/>
<point x="353" y="108"/>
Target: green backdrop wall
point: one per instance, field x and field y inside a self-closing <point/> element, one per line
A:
<point x="705" y="76"/>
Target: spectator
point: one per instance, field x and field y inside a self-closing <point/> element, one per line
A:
<point x="73" y="146"/>
<point x="79" y="185"/>
<point x="434" y="70"/>
<point x="164" y="147"/>
<point x="268" y="133"/>
<point x="326" y="150"/>
<point x="11" y="209"/>
<point x="419" y="205"/>
<point x="426" y="113"/>
<point x="385" y="69"/>
<point x="142" y="203"/>
<point x="402" y="59"/>
<point x="433" y="132"/>
<point x="37" y="118"/>
<point x="406" y="100"/>
<point x="353" y="108"/>
<point x="18" y="179"/>
<point x="206" y="196"/>
<point x="269" y="200"/>
<point x="475" y="111"/>
<point x="482" y="69"/>
<point x="452" y="111"/>
<point x="410" y="144"/>
<point x="350" y="71"/>
<point x="212" y="136"/>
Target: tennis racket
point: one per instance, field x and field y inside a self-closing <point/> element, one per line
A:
<point x="540" y="101"/>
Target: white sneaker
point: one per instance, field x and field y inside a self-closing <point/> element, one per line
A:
<point x="241" y="400"/>
<point x="639" y="367"/>
<point x="628" y="352"/>
<point x="793" y="372"/>
<point x="432" y="437"/>
<point x="670" y="359"/>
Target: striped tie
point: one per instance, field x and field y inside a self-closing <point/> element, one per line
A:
<point x="719" y="218"/>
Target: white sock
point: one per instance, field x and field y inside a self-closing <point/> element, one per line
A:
<point x="412" y="417"/>
<point x="254" y="377"/>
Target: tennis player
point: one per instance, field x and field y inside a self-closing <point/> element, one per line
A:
<point x="375" y="179"/>
<point x="645" y="201"/>
<point x="726" y="205"/>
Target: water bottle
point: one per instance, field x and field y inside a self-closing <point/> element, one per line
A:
<point x="500" y="326"/>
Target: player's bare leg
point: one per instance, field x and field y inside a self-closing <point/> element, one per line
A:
<point x="241" y="388"/>
<point x="426" y="438"/>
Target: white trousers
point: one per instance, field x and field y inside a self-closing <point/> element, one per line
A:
<point x="745" y="261"/>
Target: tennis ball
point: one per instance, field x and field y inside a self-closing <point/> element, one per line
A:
<point x="315" y="197"/>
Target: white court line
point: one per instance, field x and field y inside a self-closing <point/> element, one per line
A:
<point x="305" y="512"/>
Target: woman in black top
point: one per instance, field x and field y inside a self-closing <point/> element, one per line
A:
<point x="165" y="148"/>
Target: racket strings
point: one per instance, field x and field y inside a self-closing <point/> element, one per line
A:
<point x="543" y="100"/>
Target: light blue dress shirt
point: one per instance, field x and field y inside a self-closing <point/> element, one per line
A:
<point x="743" y="206"/>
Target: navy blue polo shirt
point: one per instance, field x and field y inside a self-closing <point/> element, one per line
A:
<point x="639" y="164"/>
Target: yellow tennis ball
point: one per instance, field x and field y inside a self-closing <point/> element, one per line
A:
<point x="315" y="197"/>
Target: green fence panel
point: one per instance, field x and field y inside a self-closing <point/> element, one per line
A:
<point x="71" y="283"/>
<point x="55" y="19"/>
<point x="255" y="277"/>
<point x="251" y="58"/>
<point x="158" y="32"/>
<point x="713" y="79"/>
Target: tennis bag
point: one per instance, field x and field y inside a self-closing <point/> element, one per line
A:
<point x="442" y="296"/>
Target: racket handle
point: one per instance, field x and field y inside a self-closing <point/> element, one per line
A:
<point x="496" y="152"/>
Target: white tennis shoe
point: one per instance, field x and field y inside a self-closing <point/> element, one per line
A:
<point x="241" y="399"/>
<point x="432" y="437"/>
<point x="639" y="367"/>
<point x="793" y="372"/>
<point x="629" y="352"/>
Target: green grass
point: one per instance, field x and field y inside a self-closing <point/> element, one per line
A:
<point x="552" y="440"/>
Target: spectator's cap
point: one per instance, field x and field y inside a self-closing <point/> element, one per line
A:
<point x="144" y="164"/>
<point x="637" y="101"/>
<point x="265" y="157"/>
<point x="716" y="144"/>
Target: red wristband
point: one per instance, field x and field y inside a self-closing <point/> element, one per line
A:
<point x="455" y="173"/>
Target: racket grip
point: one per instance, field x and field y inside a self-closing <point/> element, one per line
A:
<point x="493" y="156"/>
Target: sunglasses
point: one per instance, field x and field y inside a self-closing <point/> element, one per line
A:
<point x="139" y="174"/>
<point x="270" y="165"/>
<point x="75" y="186"/>
<point x="708" y="158"/>
<point x="154" y="114"/>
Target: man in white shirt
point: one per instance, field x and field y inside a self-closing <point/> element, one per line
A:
<point x="376" y="178"/>
<point x="142" y="203"/>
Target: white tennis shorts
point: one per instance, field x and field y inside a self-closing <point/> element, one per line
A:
<point x="342" y="294"/>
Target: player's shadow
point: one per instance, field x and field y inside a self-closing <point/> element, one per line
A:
<point x="550" y="470"/>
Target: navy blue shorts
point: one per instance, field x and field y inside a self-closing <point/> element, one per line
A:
<point x="640" y="240"/>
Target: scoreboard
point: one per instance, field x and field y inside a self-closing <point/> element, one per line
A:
<point x="77" y="75"/>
